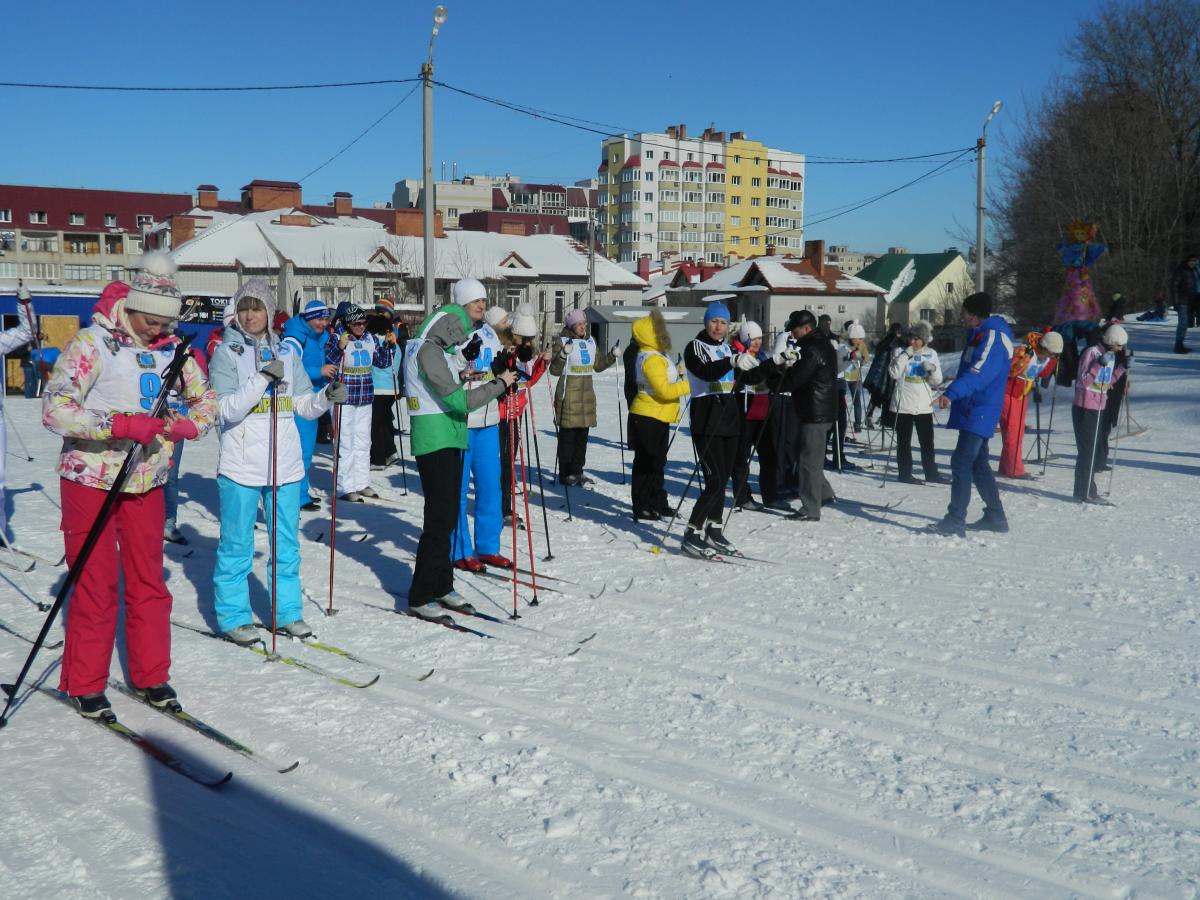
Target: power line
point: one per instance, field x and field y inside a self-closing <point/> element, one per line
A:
<point x="202" y="88"/>
<point x="364" y="132"/>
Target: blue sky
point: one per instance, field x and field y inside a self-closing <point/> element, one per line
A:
<point x="866" y="80"/>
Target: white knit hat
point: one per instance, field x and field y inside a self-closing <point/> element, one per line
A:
<point x="749" y="331"/>
<point x="152" y="287"/>
<point x="1115" y="336"/>
<point x="495" y="316"/>
<point x="468" y="290"/>
<point x="856" y="332"/>
<point x="523" y="322"/>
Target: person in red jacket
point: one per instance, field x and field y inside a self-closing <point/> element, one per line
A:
<point x="1033" y="361"/>
<point x="517" y="332"/>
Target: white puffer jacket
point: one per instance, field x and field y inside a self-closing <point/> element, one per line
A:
<point x="916" y="376"/>
<point x="244" y="401"/>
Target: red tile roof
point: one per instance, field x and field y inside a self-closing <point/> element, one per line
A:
<point x="667" y="162"/>
<point x="633" y="162"/>
<point x="58" y="203"/>
<point x="715" y="165"/>
<point x="690" y="164"/>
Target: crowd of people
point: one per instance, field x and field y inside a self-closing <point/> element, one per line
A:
<point x="464" y="378"/>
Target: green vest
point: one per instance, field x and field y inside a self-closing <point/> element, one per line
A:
<point x="446" y="429"/>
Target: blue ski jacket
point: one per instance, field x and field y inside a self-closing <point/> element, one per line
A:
<point x="977" y="392"/>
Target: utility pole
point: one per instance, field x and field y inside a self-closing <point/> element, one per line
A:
<point x="430" y="204"/>
<point x="980" y="230"/>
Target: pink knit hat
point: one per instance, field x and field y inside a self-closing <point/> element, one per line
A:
<point x="575" y="317"/>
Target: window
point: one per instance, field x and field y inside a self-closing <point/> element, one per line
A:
<point x="757" y="161"/>
<point x="578" y="295"/>
<point x="647" y="217"/>
<point x="668" y="215"/>
<point x="344" y="294"/>
<point x="512" y="298"/>
<point x="735" y="200"/>
<point x="76" y="218"/>
<point x="116" y="273"/>
<point x="753" y="242"/>
<point x="755" y="182"/>
<point x="452" y="212"/>
<point x="734" y="240"/>
<point x="735" y="221"/>
<point x="81" y="273"/>
<point x="144" y="221"/>
<point x="667" y="155"/>
<point x="113" y="245"/>
<point x="8" y="240"/>
<point x="668" y="196"/>
<point x="648" y="196"/>
<point x="756" y="201"/>
<point x="927" y="315"/>
<point x="110" y="220"/>
<point x="35" y="243"/>
<point x="735" y="179"/>
<point x="648" y="176"/>
<point x="716" y="177"/>
<point x="718" y="198"/>
<point x="841" y="307"/>
<point x="44" y="271"/>
<point x="693" y="197"/>
<point x="689" y="159"/>
<point x="8" y="270"/>
<point x="5" y="215"/>
<point x="135" y="243"/>
<point x="754" y="221"/>
<point x="37" y="217"/>
<point x="560" y="299"/>
<point x="541" y="301"/>
<point x="950" y="288"/>
<point x="649" y="154"/>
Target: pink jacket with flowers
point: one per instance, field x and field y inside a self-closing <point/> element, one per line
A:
<point x="90" y="455"/>
<point x="1088" y="393"/>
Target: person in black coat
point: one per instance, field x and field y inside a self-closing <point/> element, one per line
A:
<point x="813" y="384"/>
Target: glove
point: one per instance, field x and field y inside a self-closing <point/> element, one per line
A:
<point x="182" y="430"/>
<point x="745" y="362"/>
<point x="785" y="357"/>
<point x="273" y="371"/>
<point x="681" y="368"/>
<point x="927" y="367"/>
<point x="525" y="352"/>
<point x="139" y="427"/>
<point x="612" y="351"/>
<point x="336" y="392"/>
<point x="470" y="350"/>
<point x="500" y="364"/>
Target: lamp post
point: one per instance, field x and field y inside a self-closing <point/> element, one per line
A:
<point x="430" y="205"/>
<point x="980" y="150"/>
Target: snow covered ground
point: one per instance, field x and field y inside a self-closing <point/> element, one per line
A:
<point x="880" y="712"/>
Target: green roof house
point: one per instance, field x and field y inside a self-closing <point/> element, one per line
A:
<point x="926" y="286"/>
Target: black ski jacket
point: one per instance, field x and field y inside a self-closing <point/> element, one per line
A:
<point x="813" y="380"/>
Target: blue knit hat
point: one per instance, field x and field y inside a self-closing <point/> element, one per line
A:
<point x="315" y="309"/>
<point x="716" y="310"/>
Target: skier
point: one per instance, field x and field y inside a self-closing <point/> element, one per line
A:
<point x="385" y="381"/>
<point x="438" y="405"/>
<point x="251" y="371"/>
<point x="754" y="402"/>
<point x="1185" y="285"/>
<point x="878" y="383"/>
<point x="1100" y="367"/>
<point x="574" y="397"/>
<point x="654" y="408"/>
<point x="860" y="358"/>
<point x="977" y="394"/>
<point x="106" y="379"/>
<point x="783" y="444"/>
<point x="355" y="352"/>
<point x="1033" y="361"/>
<point x="10" y="340"/>
<point x="916" y="371"/>
<point x="812" y="382"/>
<point x="481" y="462"/>
<point x="517" y="333"/>
<point x="716" y="427"/>
<point x="308" y="334"/>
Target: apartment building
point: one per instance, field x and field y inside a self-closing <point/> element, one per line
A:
<point x="702" y="198"/>
<point x="483" y="194"/>
<point x="77" y="236"/>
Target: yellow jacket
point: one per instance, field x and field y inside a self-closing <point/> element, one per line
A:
<point x="657" y="397"/>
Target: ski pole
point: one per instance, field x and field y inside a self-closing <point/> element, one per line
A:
<point x="275" y="509"/>
<point x="1037" y="421"/>
<point x="537" y="454"/>
<point x="174" y="371"/>
<point x="20" y="440"/>
<point x="16" y="563"/>
<point x="737" y="488"/>
<point x="528" y="531"/>
<point x="337" y="451"/>
<point x="1050" y="425"/>
<point x="400" y="425"/>
<point x="678" y="506"/>
<point x="891" y="449"/>
<point x="682" y="415"/>
<point x="1096" y="436"/>
<point x="558" y="445"/>
<point x="621" y="426"/>
<point x="512" y="493"/>
<point x="1112" y="460"/>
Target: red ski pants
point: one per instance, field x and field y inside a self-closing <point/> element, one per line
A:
<point x="130" y="547"/>
<point x="1012" y="434"/>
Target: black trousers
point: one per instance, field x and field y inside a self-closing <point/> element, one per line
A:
<point x="441" y="481"/>
<point x="814" y="488"/>
<point x="751" y="434"/>
<point x="648" y="439"/>
<point x="768" y="451"/>
<point x="1086" y="449"/>
<point x="904" y="430"/>
<point x="717" y="456"/>
<point x="786" y="444"/>
<point x="837" y="436"/>
<point x="572" y="451"/>
<point x="506" y="463"/>
<point x="383" y="429"/>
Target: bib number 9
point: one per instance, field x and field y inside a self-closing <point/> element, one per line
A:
<point x="149" y="384"/>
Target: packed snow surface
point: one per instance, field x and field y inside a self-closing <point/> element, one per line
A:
<point x="876" y="711"/>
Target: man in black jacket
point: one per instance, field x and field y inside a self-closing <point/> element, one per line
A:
<point x="813" y="383"/>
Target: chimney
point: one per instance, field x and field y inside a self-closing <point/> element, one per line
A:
<point x="672" y="131"/>
<point x="260" y="195"/>
<point x="737" y="135"/>
<point x="682" y="131"/>
<point x="770" y="249"/>
<point x="814" y="252"/>
<point x="206" y="196"/>
<point x="183" y="228"/>
<point x="643" y="266"/>
<point x="410" y="223"/>
<point x="343" y="204"/>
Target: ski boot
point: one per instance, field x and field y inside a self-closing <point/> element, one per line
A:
<point x="694" y="545"/>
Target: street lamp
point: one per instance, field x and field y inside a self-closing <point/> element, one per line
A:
<point x="439" y="19"/>
<point x="980" y="147"/>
